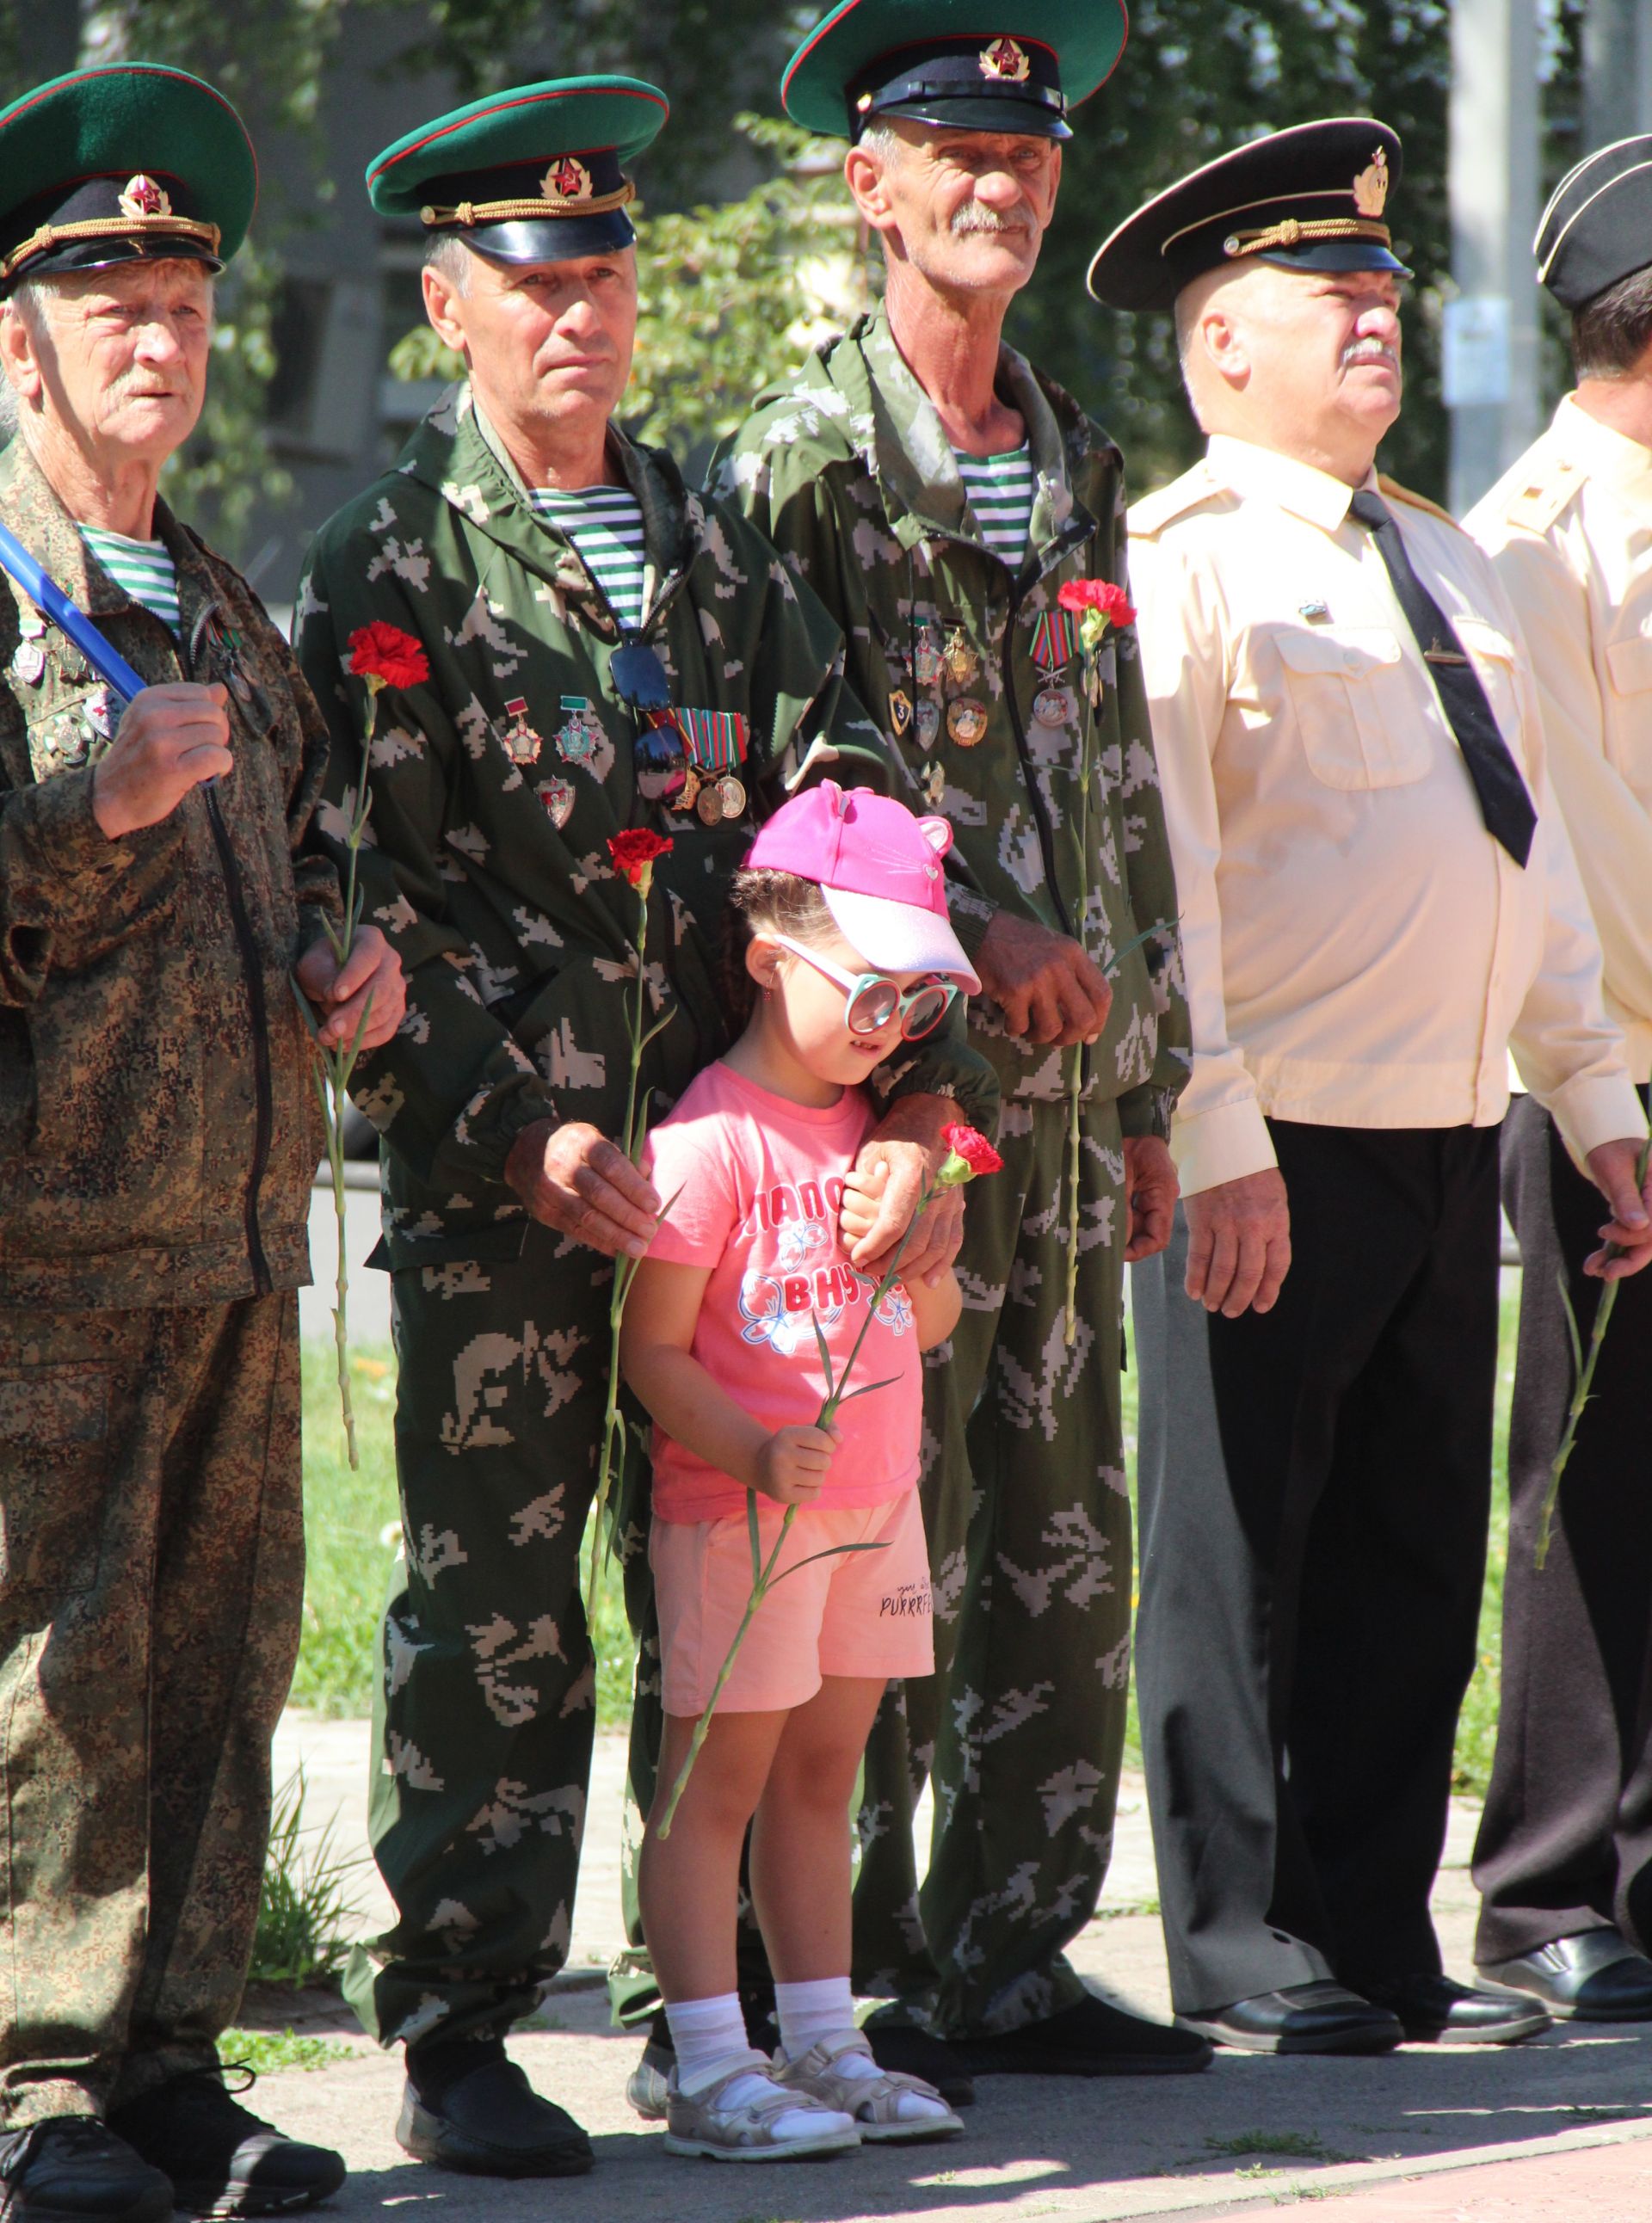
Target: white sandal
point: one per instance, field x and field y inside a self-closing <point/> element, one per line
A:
<point x="749" y="2128"/>
<point x="872" y="2102"/>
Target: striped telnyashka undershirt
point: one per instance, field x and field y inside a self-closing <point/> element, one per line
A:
<point x="143" y="568"/>
<point x="1000" y="490"/>
<point x="605" y="525"/>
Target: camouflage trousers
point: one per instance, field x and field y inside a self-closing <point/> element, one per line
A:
<point x="485" y="1709"/>
<point x="1020" y="1730"/>
<point x="1021" y="1727"/>
<point x="151" y="1586"/>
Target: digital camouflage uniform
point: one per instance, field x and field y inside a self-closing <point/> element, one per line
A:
<point x="517" y="938"/>
<point x="158" y="1135"/>
<point x="848" y="470"/>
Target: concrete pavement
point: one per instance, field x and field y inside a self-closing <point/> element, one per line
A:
<point x="1559" y="2128"/>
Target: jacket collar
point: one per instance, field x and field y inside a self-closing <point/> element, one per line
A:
<point x="1263" y="474"/>
<point x="457" y="453"/>
<point x="898" y="433"/>
<point x="1610" y="457"/>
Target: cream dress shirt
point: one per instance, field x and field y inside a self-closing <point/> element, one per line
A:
<point x="1360" y="952"/>
<point x="1570" y="531"/>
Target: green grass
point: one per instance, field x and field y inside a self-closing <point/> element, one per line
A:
<point x="349" y="1562"/>
<point x="264" y="2051"/>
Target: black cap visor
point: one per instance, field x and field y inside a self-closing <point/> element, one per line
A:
<point x="1029" y="119"/>
<point x="105" y="254"/>
<point x="1332" y="254"/>
<point x="549" y="239"/>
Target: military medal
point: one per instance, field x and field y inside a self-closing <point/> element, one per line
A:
<point x="926" y="656"/>
<point x="578" y="735"/>
<point x="731" y="794"/>
<point x="1054" y="704"/>
<point x="1055" y="644"/>
<point x="933" y="785"/>
<point x="708" y="804"/>
<point x="99" y="712"/>
<point x="684" y="799"/>
<point x="965" y="720"/>
<point x="522" y="745"/>
<point x="960" y="659"/>
<point x="558" y="796"/>
<point x="716" y="741"/>
<point x="929" y="722"/>
<point x="900" y="710"/>
<point x="28" y="662"/>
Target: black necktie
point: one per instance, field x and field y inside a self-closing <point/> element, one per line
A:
<point x="1505" y="804"/>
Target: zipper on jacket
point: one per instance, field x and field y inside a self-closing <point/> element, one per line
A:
<point x="258" y="1010"/>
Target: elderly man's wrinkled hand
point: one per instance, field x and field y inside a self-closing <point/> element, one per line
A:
<point x="1238" y="1243"/>
<point x="573" y="1179"/>
<point x="1047" y="988"/>
<point x="1151" y="1191"/>
<point x="1626" y="1238"/>
<point x="171" y="739"/>
<point x="881" y="1195"/>
<point x="369" y="981"/>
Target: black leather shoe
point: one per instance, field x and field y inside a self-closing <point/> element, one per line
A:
<point x="72" y="2168"/>
<point x="490" y="2122"/>
<point x="1089" y="2038"/>
<point x="1436" y="2010"/>
<point x="221" y="2159"/>
<point x="1597" y="1976"/>
<point x="912" y="2052"/>
<point x="1318" y="2018"/>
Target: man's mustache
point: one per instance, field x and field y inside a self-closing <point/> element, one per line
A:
<point x="1370" y="352"/>
<point x="974" y="216"/>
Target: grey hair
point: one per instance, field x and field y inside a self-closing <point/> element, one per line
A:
<point x="880" y="138"/>
<point x="447" y="253"/>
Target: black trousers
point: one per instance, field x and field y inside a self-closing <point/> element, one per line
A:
<point x="1315" y="1487"/>
<point x="1566" y="1841"/>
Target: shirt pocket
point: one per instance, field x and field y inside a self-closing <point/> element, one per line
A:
<point x="1346" y="689"/>
<point x="1629" y="707"/>
<point x="1492" y="654"/>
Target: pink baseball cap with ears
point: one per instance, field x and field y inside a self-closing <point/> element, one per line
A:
<point x="879" y="868"/>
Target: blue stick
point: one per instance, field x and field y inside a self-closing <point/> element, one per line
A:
<point x="113" y="670"/>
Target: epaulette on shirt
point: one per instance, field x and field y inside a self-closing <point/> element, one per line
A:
<point x="1539" y="496"/>
<point x="1395" y="492"/>
<point x="1155" y="511"/>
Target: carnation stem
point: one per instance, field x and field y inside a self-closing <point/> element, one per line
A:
<point x="1585" y="1373"/>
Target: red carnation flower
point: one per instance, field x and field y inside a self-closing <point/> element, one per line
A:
<point x="384" y="654"/>
<point x="971" y="1153"/>
<point x="1099" y="595"/>
<point x="633" y="854"/>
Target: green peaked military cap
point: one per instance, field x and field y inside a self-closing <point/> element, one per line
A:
<point x="126" y="161"/>
<point x="1313" y="196"/>
<point x="531" y="174"/>
<point x="985" y="65"/>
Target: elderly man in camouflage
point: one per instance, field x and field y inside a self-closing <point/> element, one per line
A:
<point x="157" y="1141"/>
<point x="608" y="652"/>
<point x="938" y="494"/>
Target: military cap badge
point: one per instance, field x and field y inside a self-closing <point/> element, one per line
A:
<point x="1006" y="61"/>
<point x="1371" y="187"/>
<point x="568" y="180"/>
<point x="143" y="197"/>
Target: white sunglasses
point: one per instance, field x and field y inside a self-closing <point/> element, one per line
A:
<point x="874" y="999"/>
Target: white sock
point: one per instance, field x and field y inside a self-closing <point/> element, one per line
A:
<point x="807" y="2012"/>
<point x="825" y="2009"/>
<point x="710" y="2037"/>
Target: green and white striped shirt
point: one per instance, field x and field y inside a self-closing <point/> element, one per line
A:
<point x="605" y="525"/>
<point x="142" y="567"/>
<point x="1000" y="490"/>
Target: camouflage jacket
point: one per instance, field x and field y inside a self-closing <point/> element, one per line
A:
<point x="158" y="1124"/>
<point x="848" y="470"/>
<point x="496" y="787"/>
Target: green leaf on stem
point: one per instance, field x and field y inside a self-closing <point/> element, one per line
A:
<point x="825" y="1358"/>
<point x="755" y="1536"/>
<point x="1571" y="1317"/>
<point x="832" y="1551"/>
<point x="866" y="1388"/>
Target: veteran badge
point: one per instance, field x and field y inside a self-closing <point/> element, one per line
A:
<point x="929" y="722"/>
<point x="1055" y="705"/>
<point x="926" y="656"/>
<point x="900" y="711"/>
<point x="960" y="658"/>
<point x="28" y="662"/>
<point x="558" y="796"/>
<point x="965" y="720"/>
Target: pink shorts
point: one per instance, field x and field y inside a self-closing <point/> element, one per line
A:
<point x="858" y="1613"/>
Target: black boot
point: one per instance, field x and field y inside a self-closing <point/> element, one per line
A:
<point x="72" y="2168"/>
<point x="222" y="2159"/>
<point x="467" y="2108"/>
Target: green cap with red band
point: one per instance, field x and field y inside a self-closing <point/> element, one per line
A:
<point x="128" y="161"/>
<point x="1015" y="65"/>
<point x="531" y="174"/>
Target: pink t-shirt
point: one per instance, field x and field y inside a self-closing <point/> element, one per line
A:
<point x="761" y="1179"/>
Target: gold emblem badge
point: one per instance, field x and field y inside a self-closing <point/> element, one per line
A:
<point x="1371" y="187"/>
<point x="967" y="722"/>
<point x="1006" y="61"/>
<point x="142" y="197"/>
<point x="567" y="179"/>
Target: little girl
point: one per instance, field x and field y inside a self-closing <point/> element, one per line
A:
<point x="842" y="905"/>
